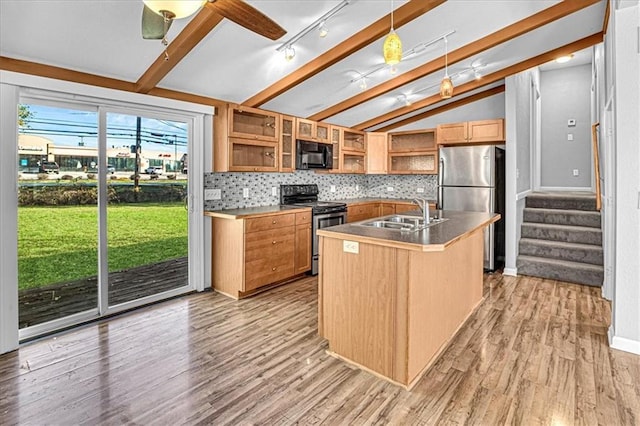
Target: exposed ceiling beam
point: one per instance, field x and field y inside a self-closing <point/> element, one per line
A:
<point x="401" y="16"/>
<point x="512" y="31"/>
<point x="443" y="108"/>
<point x="189" y="37"/>
<point x="605" y="23"/>
<point x="488" y="79"/>
<point x="42" y="70"/>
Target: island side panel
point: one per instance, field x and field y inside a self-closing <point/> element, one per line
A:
<point x="444" y="288"/>
<point x="358" y="302"/>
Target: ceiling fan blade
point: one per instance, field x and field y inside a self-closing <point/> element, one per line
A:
<point x="247" y="16"/>
<point x="154" y="26"/>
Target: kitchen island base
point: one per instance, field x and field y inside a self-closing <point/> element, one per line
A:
<point x="392" y="310"/>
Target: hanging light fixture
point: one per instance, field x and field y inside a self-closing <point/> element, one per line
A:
<point x="173" y="9"/>
<point x="446" y="86"/>
<point x="392" y="47"/>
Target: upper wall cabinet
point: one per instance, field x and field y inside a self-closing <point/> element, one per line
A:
<point x="312" y="130"/>
<point x="484" y="131"/>
<point x="376" y="153"/>
<point x="413" y="152"/>
<point x="287" y="144"/>
<point x="253" y="123"/>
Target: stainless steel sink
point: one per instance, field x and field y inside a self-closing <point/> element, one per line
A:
<point x="403" y="223"/>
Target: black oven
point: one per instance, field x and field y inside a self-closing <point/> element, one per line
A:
<point x="313" y="155"/>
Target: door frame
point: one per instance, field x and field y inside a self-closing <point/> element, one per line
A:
<point x="16" y="85"/>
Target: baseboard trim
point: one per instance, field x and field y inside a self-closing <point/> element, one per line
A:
<point x="512" y="272"/>
<point x="623" y="344"/>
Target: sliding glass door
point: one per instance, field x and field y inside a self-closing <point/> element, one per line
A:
<point x="102" y="218"/>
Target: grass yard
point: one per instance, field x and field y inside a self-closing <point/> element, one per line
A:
<point x="60" y="244"/>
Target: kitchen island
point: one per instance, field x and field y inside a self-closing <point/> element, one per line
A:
<point x="390" y="300"/>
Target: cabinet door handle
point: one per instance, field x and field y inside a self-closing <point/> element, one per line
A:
<point x="274" y="242"/>
<point x="274" y="222"/>
<point x="273" y="269"/>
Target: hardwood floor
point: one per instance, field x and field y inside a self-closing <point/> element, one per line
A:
<point x="535" y="352"/>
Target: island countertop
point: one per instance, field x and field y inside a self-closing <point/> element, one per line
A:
<point x="436" y="237"/>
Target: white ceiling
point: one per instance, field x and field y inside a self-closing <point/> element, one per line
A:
<point x="103" y="37"/>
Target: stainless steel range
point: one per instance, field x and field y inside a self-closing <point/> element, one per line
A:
<point x="324" y="213"/>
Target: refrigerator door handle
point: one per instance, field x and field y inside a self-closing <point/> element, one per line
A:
<point x="440" y="180"/>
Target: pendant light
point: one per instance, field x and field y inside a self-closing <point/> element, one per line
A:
<point x="392" y="47"/>
<point x="446" y="86"/>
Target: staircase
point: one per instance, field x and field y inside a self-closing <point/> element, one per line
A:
<point x="561" y="238"/>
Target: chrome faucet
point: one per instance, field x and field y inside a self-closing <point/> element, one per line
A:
<point x="424" y="208"/>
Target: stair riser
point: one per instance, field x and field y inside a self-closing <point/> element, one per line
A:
<point x="574" y="275"/>
<point x="577" y="219"/>
<point x="591" y="256"/>
<point x="586" y="236"/>
<point x="587" y="204"/>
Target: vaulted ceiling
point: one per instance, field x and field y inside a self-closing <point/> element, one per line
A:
<point x="212" y="57"/>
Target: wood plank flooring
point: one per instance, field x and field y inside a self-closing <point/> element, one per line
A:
<point x="534" y="352"/>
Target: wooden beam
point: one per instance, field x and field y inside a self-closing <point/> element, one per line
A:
<point x="488" y="79"/>
<point x="401" y="16"/>
<point x="605" y="22"/>
<point x="191" y="35"/>
<point x="42" y="70"/>
<point x="510" y="32"/>
<point x="443" y="108"/>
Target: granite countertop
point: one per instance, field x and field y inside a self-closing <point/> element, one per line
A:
<point x="248" y="212"/>
<point x="434" y="238"/>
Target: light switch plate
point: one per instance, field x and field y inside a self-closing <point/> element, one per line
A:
<point x="274" y="191"/>
<point x="332" y="188"/>
<point x="571" y="122"/>
<point x="351" y="247"/>
<point x="569" y="136"/>
<point x="576" y="172"/>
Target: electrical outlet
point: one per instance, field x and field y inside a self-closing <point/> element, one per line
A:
<point x="245" y="192"/>
<point x="212" y="194"/>
<point x="420" y="190"/>
<point x="389" y="188"/>
<point x="571" y="122"/>
<point x="332" y="188"/>
<point x="274" y="191"/>
<point x="350" y="247"/>
<point x="576" y="172"/>
<point x="357" y="187"/>
<point x="569" y="136"/>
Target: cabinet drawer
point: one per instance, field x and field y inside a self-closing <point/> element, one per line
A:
<point x="268" y="270"/>
<point x="303" y="218"/>
<point x="268" y="244"/>
<point x="269" y="222"/>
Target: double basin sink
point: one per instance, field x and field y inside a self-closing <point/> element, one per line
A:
<point x="403" y="223"/>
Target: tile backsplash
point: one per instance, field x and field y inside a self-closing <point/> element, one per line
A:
<point x="260" y="186"/>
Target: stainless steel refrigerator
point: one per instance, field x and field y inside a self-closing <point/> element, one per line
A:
<point x="471" y="178"/>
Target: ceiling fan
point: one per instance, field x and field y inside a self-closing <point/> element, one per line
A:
<point x="158" y="15"/>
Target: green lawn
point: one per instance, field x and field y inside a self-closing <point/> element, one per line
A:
<point x="59" y="244"/>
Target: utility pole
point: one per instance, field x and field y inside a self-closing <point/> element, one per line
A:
<point x="175" y="157"/>
<point x="136" y="173"/>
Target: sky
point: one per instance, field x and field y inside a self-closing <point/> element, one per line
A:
<point x="71" y="127"/>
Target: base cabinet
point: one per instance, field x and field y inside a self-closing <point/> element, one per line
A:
<point x="252" y="253"/>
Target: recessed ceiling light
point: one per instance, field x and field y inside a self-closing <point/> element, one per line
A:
<point x="563" y="59"/>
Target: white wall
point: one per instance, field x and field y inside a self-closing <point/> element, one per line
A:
<point x="484" y="109"/>
<point x="625" y="327"/>
<point x="566" y="94"/>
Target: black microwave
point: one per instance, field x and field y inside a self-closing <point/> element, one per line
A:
<point x="313" y="155"/>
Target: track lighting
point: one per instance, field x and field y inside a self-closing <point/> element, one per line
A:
<point x="289" y="53"/>
<point x="320" y="24"/>
<point x="476" y="74"/>
<point x="404" y="99"/>
<point x="322" y="29"/>
<point x="363" y="83"/>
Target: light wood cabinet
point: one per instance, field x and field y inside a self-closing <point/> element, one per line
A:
<point x="287" y="144"/>
<point x="312" y="130"/>
<point x="246" y="155"/>
<point x="482" y="131"/>
<point x="349" y="150"/>
<point x="358" y="212"/>
<point x="376" y="153"/>
<point x="302" y="261"/>
<point x="353" y="140"/>
<point x="413" y="152"/>
<point x="386" y="209"/>
<point x="253" y="123"/>
<point x="256" y="252"/>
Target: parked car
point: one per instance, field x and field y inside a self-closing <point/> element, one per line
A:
<point x="49" y="166"/>
<point x="111" y="168"/>
<point x="154" y="170"/>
